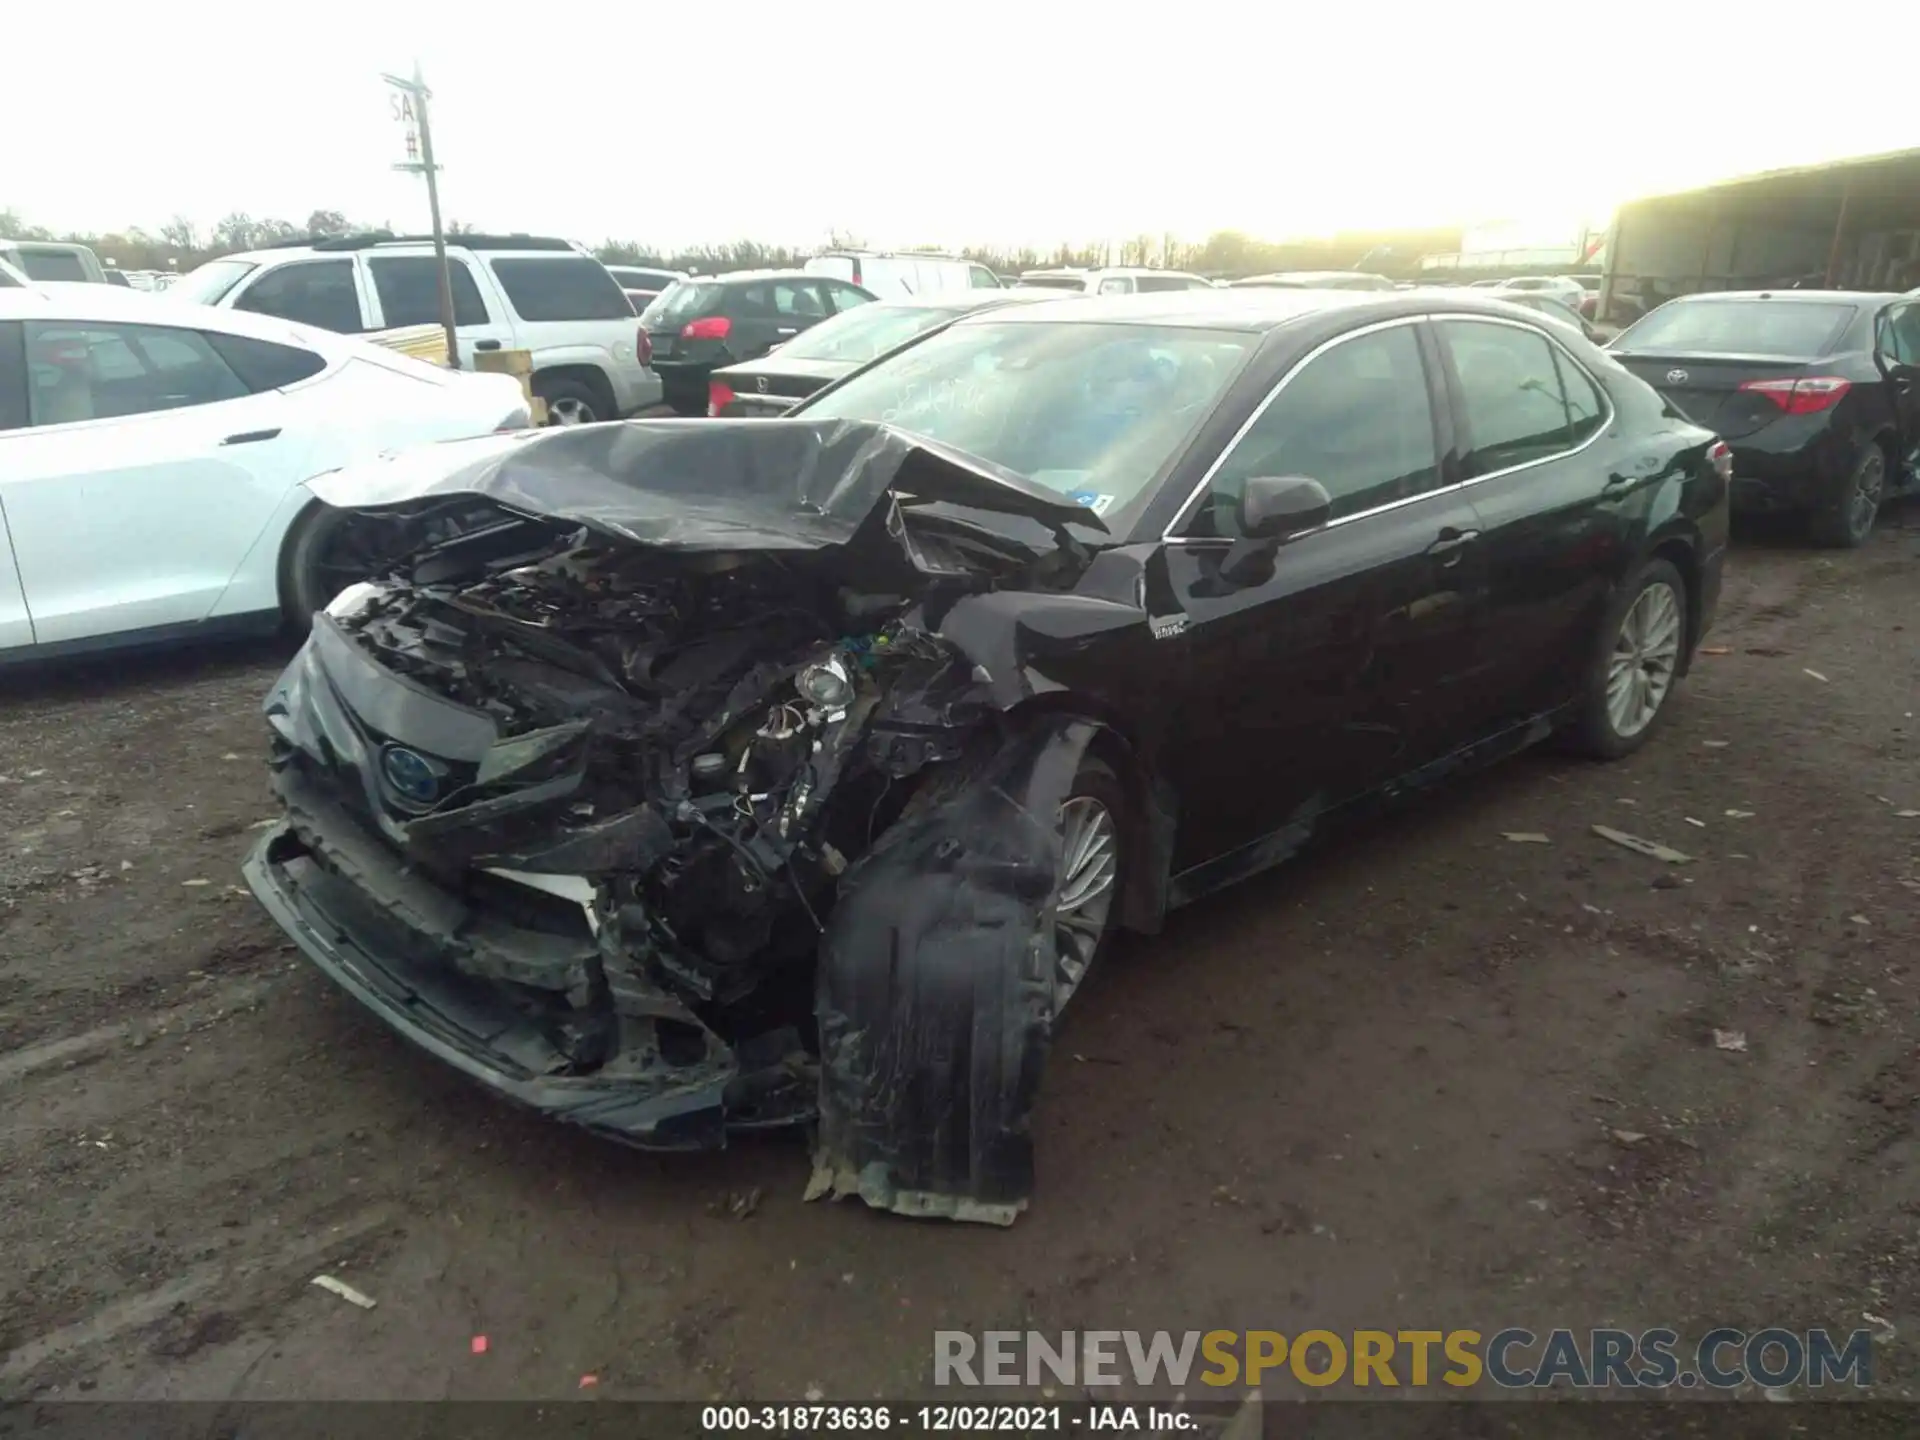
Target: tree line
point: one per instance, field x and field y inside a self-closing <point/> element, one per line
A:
<point x="180" y="245"/>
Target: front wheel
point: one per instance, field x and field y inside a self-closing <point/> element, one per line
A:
<point x="1637" y="664"/>
<point x="326" y="550"/>
<point x="1087" y="877"/>
<point x="1846" y="520"/>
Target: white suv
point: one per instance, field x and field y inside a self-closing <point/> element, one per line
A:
<point x="512" y="292"/>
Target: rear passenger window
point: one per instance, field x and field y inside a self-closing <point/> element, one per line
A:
<point x="563" y="287"/>
<point x="313" y="292"/>
<point x="1356" y="418"/>
<point x="87" y="370"/>
<point x="1586" y="411"/>
<point x="409" y="289"/>
<point x="1516" y="407"/>
<point x="1115" y="285"/>
<point x="797" y="299"/>
<point x="263" y="365"/>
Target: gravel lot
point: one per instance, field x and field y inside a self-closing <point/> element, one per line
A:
<point x="1387" y="1085"/>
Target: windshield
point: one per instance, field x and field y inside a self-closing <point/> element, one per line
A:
<point x="860" y="334"/>
<point x="1788" y="329"/>
<point x="1092" y="411"/>
<point x="679" y="303"/>
<point x="205" y="285"/>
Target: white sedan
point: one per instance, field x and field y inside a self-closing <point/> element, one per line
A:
<point x="154" y="454"/>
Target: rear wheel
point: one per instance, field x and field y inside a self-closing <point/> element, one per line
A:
<point x="1846" y="520"/>
<point x="1636" y="664"/>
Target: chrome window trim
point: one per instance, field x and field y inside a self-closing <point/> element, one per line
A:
<point x="1609" y="415"/>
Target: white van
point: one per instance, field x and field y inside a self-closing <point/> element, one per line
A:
<point x="904" y="276"/>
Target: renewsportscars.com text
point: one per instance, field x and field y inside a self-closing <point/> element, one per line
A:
<point x="1510" y="1359"/>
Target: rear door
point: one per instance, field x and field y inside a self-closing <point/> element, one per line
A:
<point x="406" y="291"/>
<point x="798" y="304"/>
<point x="1555" y="529"/>
<point x="146" y="470"/>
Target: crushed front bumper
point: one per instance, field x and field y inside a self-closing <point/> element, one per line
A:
<point x="376" y="946"/>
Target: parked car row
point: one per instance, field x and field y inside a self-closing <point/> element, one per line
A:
<point x="153" y="460"/>
<point x="548" y="297"/>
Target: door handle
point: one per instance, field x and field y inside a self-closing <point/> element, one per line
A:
<point x="249" y="437"/>
<point x="795" y="330"/>
<point x="486" y="344"/>
<point x="1451" y="544"/>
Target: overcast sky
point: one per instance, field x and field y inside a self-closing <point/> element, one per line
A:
<point x="911" y="122"/>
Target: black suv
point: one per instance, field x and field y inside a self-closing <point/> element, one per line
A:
<point x="709" y="321"/>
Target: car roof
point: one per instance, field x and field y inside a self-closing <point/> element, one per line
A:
<point x="404" y="246"/>
<point x="110" y="304"/>
<point x="743" y="277"/>
<point x="1303" y="277"/>
<point x="1849" y="297"/>
<point x="1251" y="310"/>
<point x="960" y="302"/>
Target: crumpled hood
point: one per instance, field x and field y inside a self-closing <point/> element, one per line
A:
<point x="773" y="484"/>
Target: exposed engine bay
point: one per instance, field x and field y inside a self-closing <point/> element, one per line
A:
<point x="672" y="839"/>
<point x="731" y="735"/>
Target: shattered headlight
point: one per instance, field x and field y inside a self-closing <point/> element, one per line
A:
<point x="826" y="684"/>
<point x="352" y="600"/>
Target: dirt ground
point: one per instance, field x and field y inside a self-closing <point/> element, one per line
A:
<point x="1387" y="1085"/>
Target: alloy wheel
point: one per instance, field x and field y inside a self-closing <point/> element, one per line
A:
<point x="1083" y="890"/>
<point x="569" y="410"/>
<point x="1646" y="655"/>
<point x="1869" y="487"/>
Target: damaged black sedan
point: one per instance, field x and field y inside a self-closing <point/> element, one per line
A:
<point x="736" y="775"/>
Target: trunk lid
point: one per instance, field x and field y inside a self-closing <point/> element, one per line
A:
<point x="1707" y="388"/>
<point x="786" y="379"/>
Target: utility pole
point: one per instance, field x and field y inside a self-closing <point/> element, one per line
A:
<point x="413" y="109"/>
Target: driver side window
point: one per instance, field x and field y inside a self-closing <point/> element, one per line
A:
<point x="1357" y="418"/>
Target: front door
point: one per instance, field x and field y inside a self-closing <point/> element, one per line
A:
<point x="146" y="471"/>
<point x="1347" y="662"/>
<point x="1898" y="354"/>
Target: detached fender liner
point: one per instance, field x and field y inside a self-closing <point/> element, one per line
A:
<point x="366" y="941"/>
<point x="935" y="991"/>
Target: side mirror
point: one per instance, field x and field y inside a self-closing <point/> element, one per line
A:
<point x="1283" y="507"/>
<point x="1273" y="510"/>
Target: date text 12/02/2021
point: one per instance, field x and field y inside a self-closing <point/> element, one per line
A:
<point x="943" y="1419"/>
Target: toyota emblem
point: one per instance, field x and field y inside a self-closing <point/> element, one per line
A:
<point x="761" y="384"/>
<point x="1676" y="377"/>
<point x="412" y="775"/>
